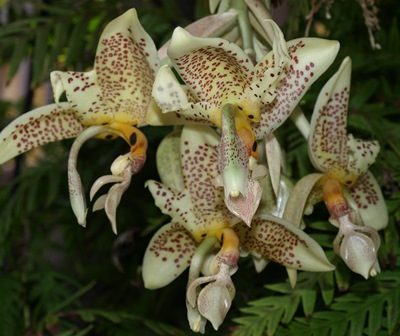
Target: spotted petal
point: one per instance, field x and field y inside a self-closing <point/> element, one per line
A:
<point x="215" y="70"/>
<point x="328" y="136"/>
<point x="167" y="255"/>
<point x="199" y="166"/>
<point x="361" y="155"/>
<point x="309" y="58"/>
<point x="37" y="127"/>
<point x="368" y="199"/>
<point x="282" y="242"/>
<point x="119" y="87"/>
<point x="176" y="204"/>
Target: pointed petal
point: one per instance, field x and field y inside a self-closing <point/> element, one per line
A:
<point x="113" y="199"/>
<point x="274" y="160"/>
<point x="40" y="126"/>
<point x="368" y="198"/>
<point x="101" y="181"/>
<point x="169" y="161"/>
<point x="176" y="204"/>
<point x="328" y="136"/>
<point x="245" y="206"/>
<point x="310" y="57"/>
<point x="260" y="263"/>
<point x="215" y="70"/>
<point x="209" y="26"/>
<point x="292" y="275"/>
<point x="100" y="203"/>
<point x="297" y="201"/>
<point x="282" y="242"/>
<point x="199" y="166"/>
<point x="361" y="154"/>
<point x="167" y="255"/>
<point x="76" y="192"/>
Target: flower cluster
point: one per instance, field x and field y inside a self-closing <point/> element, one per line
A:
<point x="220" y="170"/>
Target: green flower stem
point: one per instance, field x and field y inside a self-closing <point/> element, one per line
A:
<point x="198" y="258"/>
<point x="244" y="26"/>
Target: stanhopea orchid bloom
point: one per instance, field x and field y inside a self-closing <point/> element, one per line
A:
<point x="219" y="76"/>
<point x="350" y="192"/>
<point x="109" y="101"/>
<point x="205" y="235"/>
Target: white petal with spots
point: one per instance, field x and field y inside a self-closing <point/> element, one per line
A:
<point x="309" y="58"/>
<point x="45" y="124"/>
<point x="367" y="196"/>
<point x="167" y="255"/>
<point x="328" y="136"/>
<point x="361" y="155"/>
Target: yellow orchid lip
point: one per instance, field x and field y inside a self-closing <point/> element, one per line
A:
<point x="334" y="198"/>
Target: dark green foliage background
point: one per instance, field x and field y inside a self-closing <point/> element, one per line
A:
<point x="57" y="278"/>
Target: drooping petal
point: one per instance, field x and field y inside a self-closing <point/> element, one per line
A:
<point x="328" y="136"/>
<point x="169" y="161"/>
<point x="40" y="126"/>
<point x="370" y="204"/>
<point x="200" y="168"/>
<point x="76" y="192"/>
<point x="361" y="155"/>
<point x="310" y="57"/>
<point x="114" y="197"/>
<point x="282" y="242"/>
<point x="215" y="70"/>
<point x="167" y="255"/>
<point x="103" y="180"/>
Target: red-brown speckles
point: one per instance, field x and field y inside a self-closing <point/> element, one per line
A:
<point x="214" y="73"/>
<point x="329" y="135"/>
<point x="294" y="82"/>
<point x="364" y="192"/>
<point x="273" y="241"/>
<point x="173" y="245"/>
<point x="49" y="126"/>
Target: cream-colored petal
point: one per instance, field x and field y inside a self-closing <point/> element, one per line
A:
<point x="168" y="92"/>
<point x="200" y="167"/>
<point x="369" y="202"/>
<point x="297" y="201"/>
<point x="37" y="127"/>
<point x="126" y="61"/>
<point x="167" y="255"/>
<point x="168" y="160"/>
<point x="83" y="94"/>
<point x="274" y="159"/>
<point x="101" y="181"/>
<point x="282" y="242"/>
<point x="216" y="71"/>
<point x="309" y="58"/>
<point x="361" y="155"/>
<point x="328" y="137"/>
<point x="76" y="192"/>
<point x="176" y="204"/>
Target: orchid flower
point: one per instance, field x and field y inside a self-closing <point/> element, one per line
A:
<point x="205" y="235"/>
<point x="350" y="192"/>
<point x="219" y="76"/>
<point x="109" y="101"/>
